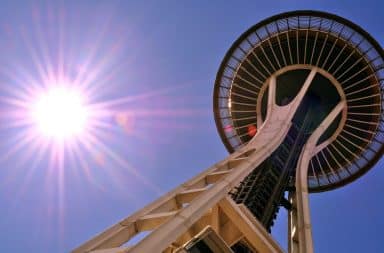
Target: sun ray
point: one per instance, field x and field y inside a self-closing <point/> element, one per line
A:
<point x="118" y="116"/>
<point x="33" y="158"/>
<point x="122" y="162"/>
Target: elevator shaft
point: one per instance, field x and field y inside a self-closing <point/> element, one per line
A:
<point x="262" y="191"/>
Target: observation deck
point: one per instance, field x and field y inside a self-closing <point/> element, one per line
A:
<point x="350" y="67"/>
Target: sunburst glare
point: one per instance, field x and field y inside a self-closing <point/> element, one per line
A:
<point x="77" y="111"/>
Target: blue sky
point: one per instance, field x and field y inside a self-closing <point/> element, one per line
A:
<point x="154" y="62"/>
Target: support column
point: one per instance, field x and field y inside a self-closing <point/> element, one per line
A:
<point x="300" y="231"/>
<point x="175" y="213"/>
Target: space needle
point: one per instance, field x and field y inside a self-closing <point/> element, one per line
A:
<point x="298" y="103"/>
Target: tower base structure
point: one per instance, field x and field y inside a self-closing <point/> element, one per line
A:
<point x="200" y="216"/>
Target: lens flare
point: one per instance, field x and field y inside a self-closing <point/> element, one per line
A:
<point x="72" y="116"/>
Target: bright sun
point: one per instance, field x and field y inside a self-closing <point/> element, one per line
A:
<point x="60" y="112"/>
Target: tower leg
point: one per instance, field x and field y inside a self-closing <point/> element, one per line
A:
<point x="293" y="241"/>
<point x="300" y="231"/>
<point x="193" y="205"/>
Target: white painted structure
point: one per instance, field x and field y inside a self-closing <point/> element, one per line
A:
<point x="318" y="42"/>
<point x="203" y="201"/>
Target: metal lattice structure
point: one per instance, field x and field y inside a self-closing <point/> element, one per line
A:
<point x="298" y="102"/>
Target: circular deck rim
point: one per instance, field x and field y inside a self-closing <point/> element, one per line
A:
<point x="265" y="22"/>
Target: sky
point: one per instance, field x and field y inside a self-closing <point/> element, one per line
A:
<point x="148" y="67"/>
